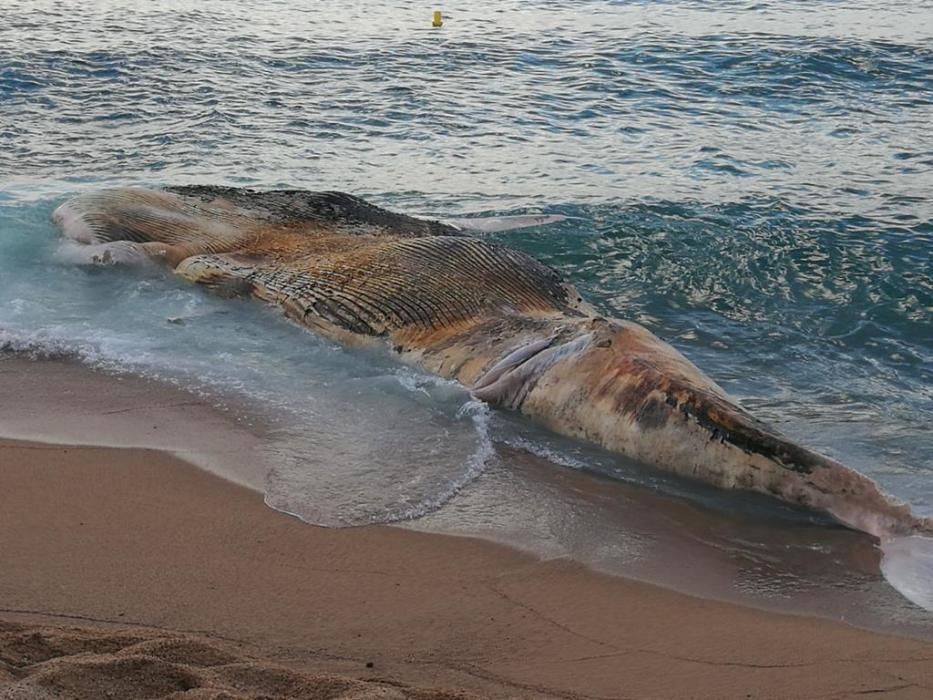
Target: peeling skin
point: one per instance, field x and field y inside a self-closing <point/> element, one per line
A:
<point x="514" y="359"/>
<point x="491" y="317"/>
<point x="515" y="381"/>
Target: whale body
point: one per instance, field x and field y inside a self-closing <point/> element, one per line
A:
<point x="506" y="326"/>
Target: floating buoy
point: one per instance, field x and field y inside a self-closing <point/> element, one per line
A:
<point x="437" y="20"/>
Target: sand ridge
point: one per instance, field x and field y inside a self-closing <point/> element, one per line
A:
<point x="40" y="661"/>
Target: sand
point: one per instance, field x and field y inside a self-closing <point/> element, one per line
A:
<point x="40" y="661"/>
<point x="127" y="572"/>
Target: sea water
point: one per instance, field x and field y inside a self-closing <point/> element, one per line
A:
<point x="749" y="180"/>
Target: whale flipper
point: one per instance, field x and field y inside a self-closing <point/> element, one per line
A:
<point x="496" y="224"/>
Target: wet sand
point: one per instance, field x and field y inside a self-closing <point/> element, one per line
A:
<point x="140" y="548"/>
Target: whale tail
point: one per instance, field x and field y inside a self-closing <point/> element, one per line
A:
<point x="907" y="564"/>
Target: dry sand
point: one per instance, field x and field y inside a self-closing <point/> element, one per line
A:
<point x="127" y="572"/>
<point x="53" y="662"/>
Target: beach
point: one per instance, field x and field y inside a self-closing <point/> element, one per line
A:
<point x="137" y="546"/>
<point x="199" y="499"/>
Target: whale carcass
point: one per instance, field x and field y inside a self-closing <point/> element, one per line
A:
<point x="506" y="326"/>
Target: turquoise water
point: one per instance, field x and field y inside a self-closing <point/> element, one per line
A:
<point x="752" y="182"/>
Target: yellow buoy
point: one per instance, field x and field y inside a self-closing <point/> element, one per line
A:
<point x="437" y="20"/>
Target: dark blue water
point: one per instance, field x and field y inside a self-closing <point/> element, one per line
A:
<point x="749" y="180"/>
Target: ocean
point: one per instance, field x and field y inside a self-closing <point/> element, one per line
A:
<point x="749" y="180"/>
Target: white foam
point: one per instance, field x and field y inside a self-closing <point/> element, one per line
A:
<point x="45" y="345"/>
<point x="907" y="564"/>
<point x="114" y="253"/>
<point x="545" y="452"/>
<point x="474" y="465"/>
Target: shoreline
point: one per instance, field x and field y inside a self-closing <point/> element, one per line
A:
<point x="117" y="536"/>
<point x="129" y="537"/>
<point x="793" y="568"/>
<point x="63" y="402"/>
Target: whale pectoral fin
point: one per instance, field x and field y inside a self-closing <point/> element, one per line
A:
<point x="496" y="224"/>
<point x="226" y="275"/>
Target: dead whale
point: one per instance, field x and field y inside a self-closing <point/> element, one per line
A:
<point x="508" y="327"/>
